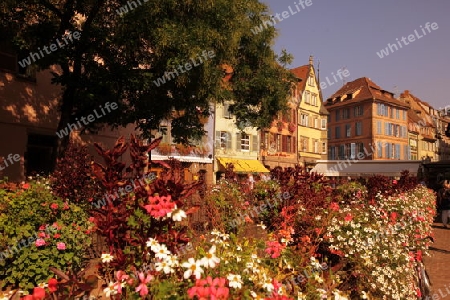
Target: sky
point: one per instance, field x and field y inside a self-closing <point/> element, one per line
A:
<point x="349" y="33"/>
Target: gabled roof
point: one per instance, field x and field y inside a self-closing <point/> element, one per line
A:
<point x="301" y="72"/>
<point x="362" y="89"/>
<point x="416" y="112"/>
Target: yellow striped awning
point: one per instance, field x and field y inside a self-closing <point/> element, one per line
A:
<point x="243" y="165"/>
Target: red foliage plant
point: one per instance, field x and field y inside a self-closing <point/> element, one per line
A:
<point x="71" y="178"/>
<point x="124" y="221"/>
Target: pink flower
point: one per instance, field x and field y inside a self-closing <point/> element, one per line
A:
<point x="42" y="227"/>
<point x="39" y="242"/>
<point x="334" y="206"/>
<point x="159" y="206"/>
<point x="56" y="236"/>
<point x="54" y="206"/>
<point x="274" y="249"/>
<point x="61" y="246"/>
<point x="142" y="288"/>
<point x="121" y="276"/>
<point x="66" y="206"/>
<point x="42" y="234"/>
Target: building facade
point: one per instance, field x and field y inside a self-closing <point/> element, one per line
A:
<point x="311" y="116"/>
<point x="367" y="123"/>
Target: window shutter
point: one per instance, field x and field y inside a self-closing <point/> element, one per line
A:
<point x="353" y="150"/>
<point x="238" y="141"/>
<point x="228" y="141"/>
<point x="217" y="139"/>
<point x="293" y="145"/>
<point x="397" y="151"/>
<point x="254" y="143"/>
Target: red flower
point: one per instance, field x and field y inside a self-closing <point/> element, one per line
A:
<point x="209" y="288"/>
<point x="52" y="285"/>
<point x="393" y="216"/>
<point x="56" y="236"/>
<point x="348" y="217"/>
<point x="66" y="206"/>
<point x="26" y="186"/>
<point x="38" y="293"/>
<point x="54" y="206"/>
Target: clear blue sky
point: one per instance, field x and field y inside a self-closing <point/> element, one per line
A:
<point x="349" y="33"/>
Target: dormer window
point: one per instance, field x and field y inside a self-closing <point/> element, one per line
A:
<point x="349" y="96"/>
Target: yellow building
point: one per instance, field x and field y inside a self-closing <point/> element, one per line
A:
<point x="312" y="117"/>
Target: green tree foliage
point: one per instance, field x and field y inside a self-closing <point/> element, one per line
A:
<point x="120" y="56"/>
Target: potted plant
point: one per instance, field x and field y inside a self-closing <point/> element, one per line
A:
<point x="291" y="127"/>
<point x="280" y="125"/>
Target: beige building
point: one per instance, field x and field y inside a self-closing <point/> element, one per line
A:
<point x="312" y="117"/>
<point x="28" y="120"/>
<point x="422" y="128"/>
<point x="236" y="144"/>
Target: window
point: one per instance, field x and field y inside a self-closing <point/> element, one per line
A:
<point x="324" y="147"/>
<point x="338" y="132"/>
<point x="316" y="146"/>
<point x="360" y="148"/>
<point x="397" y="130"/>
<point x="341" y="152"/>
<point x="304" y="120"/>
<point x="329" y="133"/>
<point x="223" y="140"/>
<point x="397" y="114"/>
<point x="314" y="99"/>
<point x="316" y="123"/>
<point x="346" y="113"/>
<point x="389" y="150"/>
<point x="338" y="114"/>
<point x="332" y="153"/>
<point x="378" y="127"/>
<point x="358" y="128"/>
<point x="279" y="142"/>
<point x="39" y="153"/>
<point x="226" y="111"/>
<point x="391" y="112"/>
<point x="379" y="150"/>
<point x="397" y="151"/>
<point x="288" y="144"/>
<point x="379" y="109"/>
<point x="304" y="144"/>
<point x="348" y="130"/>
<point x="165" y="133"/>
<point x="404" y="115"/>
<point x="407" y="150"/>
<point x="386" y="110"/>
<point x="352" y="150"/>
<point x="311" y="80"/>
<point x="324" y="124"/>
<point x="386" y="128"/>
<point x="358" y="111"/>
<point x="307" y="97"/>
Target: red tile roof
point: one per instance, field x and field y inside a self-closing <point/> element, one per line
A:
<point x="301" y="72"/>
<point x="367" y="90"/>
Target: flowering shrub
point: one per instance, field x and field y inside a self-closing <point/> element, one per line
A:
<point x="38" y="231"/>
<point x="380" y="241"/>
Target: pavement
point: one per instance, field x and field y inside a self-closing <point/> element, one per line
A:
<point x="438" y="263"/>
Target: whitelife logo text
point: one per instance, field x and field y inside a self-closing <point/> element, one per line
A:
<point x="53" y="47"/>
<point x="90" y="118"/>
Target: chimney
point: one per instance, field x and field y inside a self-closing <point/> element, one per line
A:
<point x="311" y="60"/>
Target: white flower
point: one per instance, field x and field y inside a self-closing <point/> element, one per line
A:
<point x="261" y="225"/>
<point x="239" y="248"/>
<point x="235" y="281"/>
<point x="268" y="285"/>
<point x="110" y="290"/>
<point x="43" y="285"/>
<point x="164" y="266"/>
<point x="215" y="232"/>
<point x="162" y="252"/>
<point x="210" y="260"/>
<point x="193" y="267"/>
<point x="153" y="244"/>
<point x="106" y="258"/>
<point x="177" y="214"/>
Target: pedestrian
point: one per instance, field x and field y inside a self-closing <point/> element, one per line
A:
<point x="250" y="181"/>
<point x="444" y="202"/>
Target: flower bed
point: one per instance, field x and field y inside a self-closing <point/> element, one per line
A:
<point x="289" y="238"/>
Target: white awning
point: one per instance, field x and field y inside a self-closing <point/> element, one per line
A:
<point x="364" y="168"/>
<point x="203" y="160"/>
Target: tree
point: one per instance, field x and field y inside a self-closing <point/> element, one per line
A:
<point x="136" y="53"/>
